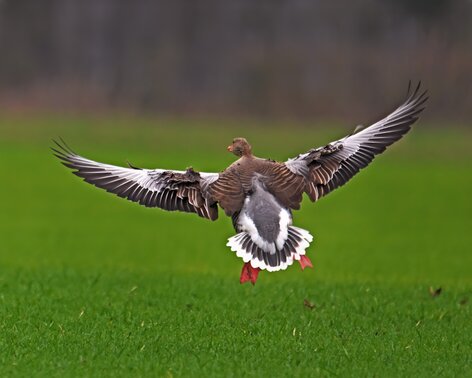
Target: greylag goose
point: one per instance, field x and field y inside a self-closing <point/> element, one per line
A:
<point x="258" y="194"/>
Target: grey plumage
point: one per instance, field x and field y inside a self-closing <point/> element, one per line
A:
<point x="264" y="210"/>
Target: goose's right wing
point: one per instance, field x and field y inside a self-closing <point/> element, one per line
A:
<point x="169" y="190"/>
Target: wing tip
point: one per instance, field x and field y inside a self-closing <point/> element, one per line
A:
<point x="62" y="148"/>
<point x="416" y="95"/>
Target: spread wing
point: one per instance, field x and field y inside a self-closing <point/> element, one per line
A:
<point x="327" y="168"/>
<point x="166" y="189"/>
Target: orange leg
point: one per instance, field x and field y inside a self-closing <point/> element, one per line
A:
<point x="304" y="262"/>
<point x="249" y="273"/>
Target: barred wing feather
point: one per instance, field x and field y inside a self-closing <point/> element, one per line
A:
<point x="166" y="189"/>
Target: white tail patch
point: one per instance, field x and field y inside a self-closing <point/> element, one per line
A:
<point x="298" y="240"/>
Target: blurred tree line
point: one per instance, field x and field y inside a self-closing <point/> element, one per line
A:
<point x="277" y="58"/>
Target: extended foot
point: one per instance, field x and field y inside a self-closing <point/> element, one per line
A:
<point x="249" y="273"/>
<point x="304" y="262"/>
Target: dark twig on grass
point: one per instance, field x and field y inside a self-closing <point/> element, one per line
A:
<point x="435" y="292"/>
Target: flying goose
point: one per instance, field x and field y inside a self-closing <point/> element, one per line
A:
<point x="259" y="194"/>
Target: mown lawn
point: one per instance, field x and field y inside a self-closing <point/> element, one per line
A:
<point x="92" y="285"/>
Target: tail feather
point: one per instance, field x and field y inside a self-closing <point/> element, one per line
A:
<point x="298" y="240"/>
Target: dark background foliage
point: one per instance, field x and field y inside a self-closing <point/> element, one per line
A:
<point x="294" y="58"/>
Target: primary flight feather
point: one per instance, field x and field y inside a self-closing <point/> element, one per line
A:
<point x="259" y="194"/>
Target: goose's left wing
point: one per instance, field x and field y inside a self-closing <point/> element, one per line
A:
<point x="327" y="168"/>
<point x="167" y="189"/>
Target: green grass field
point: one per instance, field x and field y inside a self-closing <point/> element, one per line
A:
<point x="93" y="285"/>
